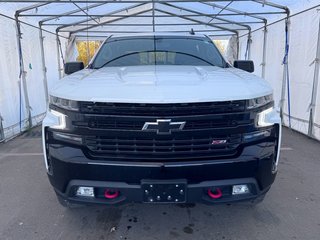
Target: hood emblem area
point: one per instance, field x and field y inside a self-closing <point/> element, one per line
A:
<point x="163" y="126"/>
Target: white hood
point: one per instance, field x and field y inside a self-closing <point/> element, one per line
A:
<point x="161" y="84"/>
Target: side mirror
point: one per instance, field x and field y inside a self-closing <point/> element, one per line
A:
<point x="72" y="67"/>
<point x="245" y="65"/>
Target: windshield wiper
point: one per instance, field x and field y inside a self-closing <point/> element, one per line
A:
<point x="128" y="54"/>
<point x="190" y="55"/>
<point x="125" y="55"/>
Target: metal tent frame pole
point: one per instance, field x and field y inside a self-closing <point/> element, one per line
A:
<point x="59" y="29"/>
<point x="216" y="16"/>
<point x="124" y="15"/>
<point x="264" y="51"/>
<point x="69" y="13"/>
<point x="23" y="73"/>
<point x="143" y="24"/>
<point x="2" y="137"/>
<point x="185" y="16"/>
<point x="198" y="21"/>
<point x="102" y="23"/>
<point x="243" y="13"/>
<point x="314" y="88"/>
<point x="238" y="46"/>
<point x="285" y="73"/>
<point x="263" y="2"/>
<point x="43" y="60"/>
<point x="174" y="31"/>
<point x="58" y="55"/>
<point x="153" y="17"/>
<point x="249" y="42"/>
<point x="101" y="2"/>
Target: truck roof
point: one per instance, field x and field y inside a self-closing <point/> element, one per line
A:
<point x="151" y="34"/>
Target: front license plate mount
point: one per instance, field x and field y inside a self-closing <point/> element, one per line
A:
<point x="162" y="191"/>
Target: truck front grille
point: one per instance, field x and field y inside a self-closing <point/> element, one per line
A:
<point x="113" y="131"/>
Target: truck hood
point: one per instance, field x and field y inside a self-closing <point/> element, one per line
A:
<point x="161" y="84"/>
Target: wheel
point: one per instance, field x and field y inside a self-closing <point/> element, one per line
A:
<point x="67" y="204"/>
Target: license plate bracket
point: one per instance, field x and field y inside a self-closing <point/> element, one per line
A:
<point x="163" y="191"/>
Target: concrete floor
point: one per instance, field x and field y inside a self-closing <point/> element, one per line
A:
<point x="29" y="210"/>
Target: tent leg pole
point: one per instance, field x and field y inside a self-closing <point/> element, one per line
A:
<point x="23" y="72"/>
<point x="44" y="68"/>
<point x="314" y="87"/>
<point x="58" y="55"/>
<point x="249" y="45"/>
<point x="153" y="22"/>
<point x="264" y="53"/>
<point x="1" y="130"/>
<point x="238" y="46"/>
<point x="284" y="77"/>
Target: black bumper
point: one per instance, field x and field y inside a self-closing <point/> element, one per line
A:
<point x="195" y="193"/>
<point x="71" y="168"/>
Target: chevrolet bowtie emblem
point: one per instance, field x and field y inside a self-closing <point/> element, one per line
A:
<point x="163" y="126"/>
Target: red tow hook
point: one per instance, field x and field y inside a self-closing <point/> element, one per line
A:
<point x="216" y="194"/>
<point x="111" y="194"/>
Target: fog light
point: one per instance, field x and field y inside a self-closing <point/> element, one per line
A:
<point x="240" y="189"/>
<point x="85" y="192"/>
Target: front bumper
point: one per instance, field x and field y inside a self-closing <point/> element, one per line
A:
<point x="71" y="169"/>
<point x="195" y="193"/>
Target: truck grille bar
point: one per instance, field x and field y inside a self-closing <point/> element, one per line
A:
<point x="167" y="110"/>
<point x="165" y="150"/>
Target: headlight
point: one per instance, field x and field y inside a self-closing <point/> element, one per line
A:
<point x="264" y="118"/>
<point x="260" y="101"/>
<point x="60" y="119"/>
<point x="64" y="103"/>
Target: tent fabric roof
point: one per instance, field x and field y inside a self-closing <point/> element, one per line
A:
<point x="103" y="17"/>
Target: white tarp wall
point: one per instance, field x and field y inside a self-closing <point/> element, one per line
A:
<point x="9" y="75"/>
<point x="12" y="103"/>
<point x="304" y="29"/>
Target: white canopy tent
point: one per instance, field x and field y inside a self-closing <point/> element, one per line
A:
<point x="281" y="36"/>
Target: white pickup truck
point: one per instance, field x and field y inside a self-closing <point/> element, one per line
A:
<point x="161" y="118"/>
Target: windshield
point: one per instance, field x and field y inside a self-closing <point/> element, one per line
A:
<point x="136" y="51"/>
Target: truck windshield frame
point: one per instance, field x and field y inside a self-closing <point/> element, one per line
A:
<point x="158" y="50"/>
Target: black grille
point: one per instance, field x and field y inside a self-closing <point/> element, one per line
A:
<point x="171" y="149"/>
<point x="113" y="131"/>
<point x="183" y="109"/>
<point x="196" y="123"/>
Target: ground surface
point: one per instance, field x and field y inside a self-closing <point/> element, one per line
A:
<point x="29" y="210"/>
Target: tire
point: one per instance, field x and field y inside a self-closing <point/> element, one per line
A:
<point x="67" y="204"/>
